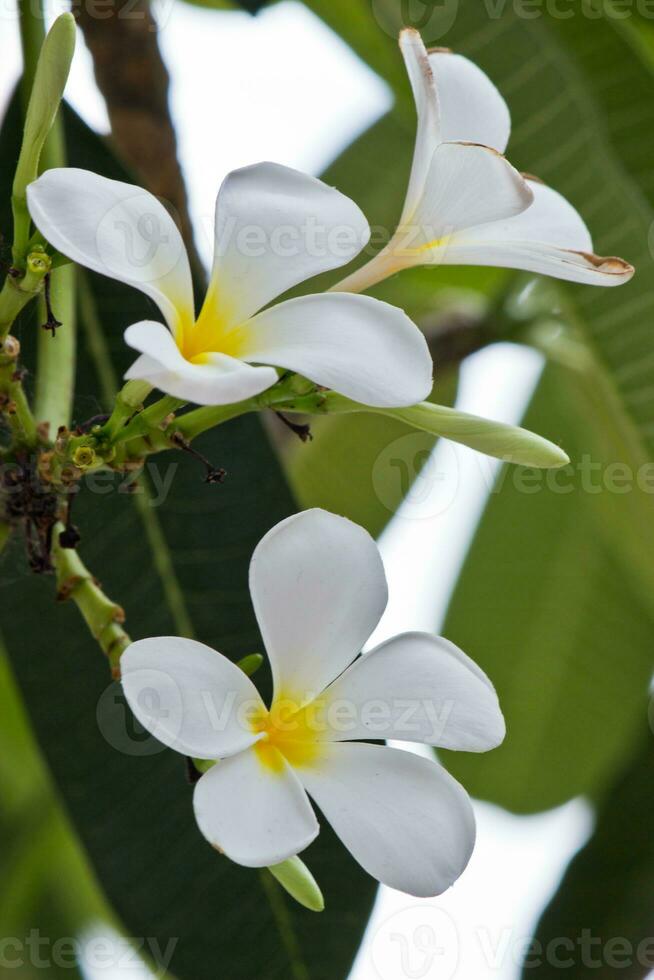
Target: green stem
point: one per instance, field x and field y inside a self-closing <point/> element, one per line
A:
<point x="150" y="418"/>
<point x="102" y="616"/>
<point x="23" y="413"/>
<point x="17" y="292"/>
<point x="128" y="401"/>
<point x="189" y="426"/>
<point x="55" y="379"/>
<point x="17" y="407"/>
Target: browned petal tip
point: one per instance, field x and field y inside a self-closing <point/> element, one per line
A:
<point x="481" y="146"/>
<point x="610" y="265"/>
<point x="439" y="51"/>
<point x="537" y="180"/>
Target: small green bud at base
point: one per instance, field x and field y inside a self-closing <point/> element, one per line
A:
<point x="250" y="664"/>
<point x="83" y="457"/>
<point x="204" y="765"/>
<point x="295" y="878"/>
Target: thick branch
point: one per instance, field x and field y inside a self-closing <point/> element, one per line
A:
<point x="122" y="38"/>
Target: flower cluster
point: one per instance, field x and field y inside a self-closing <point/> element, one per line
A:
<point x="317" y="580"/>
<point x="276" y="228"/>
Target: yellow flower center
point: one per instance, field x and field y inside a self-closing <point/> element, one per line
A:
<point x="288" y="734"/>
<point x="210" y="334"/>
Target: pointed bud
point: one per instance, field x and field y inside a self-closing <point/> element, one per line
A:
<point x="47" y="91"/>
<point x="506" y="442"/>
<point x="294" y="876"/>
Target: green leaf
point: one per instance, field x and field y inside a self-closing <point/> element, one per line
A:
<point x="176" y="567"/>
<point x="600" y="920"/>
<point x="560" y="621"/>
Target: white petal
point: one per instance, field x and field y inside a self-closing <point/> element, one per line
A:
<point x="549" y="237"/>
<point x="220" y="380"/>
<point x="255" y="815"/>
<point x="428" y="134"/>
<point x="416" y="688"/>
<point x="471" y="108"/>
<point x="319" y="590"/>
<point x="359" y="346"/>
<point x="403" y="818"/>
<point x="275" y="228"/>
<point x="189" y="697"/>
<point x="119" y="230"/>
<point x="467" y="185"/>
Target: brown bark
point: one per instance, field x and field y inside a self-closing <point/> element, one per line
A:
<point x="131" y="75"/>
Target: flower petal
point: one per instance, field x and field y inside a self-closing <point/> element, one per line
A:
<point x="549" y="237"/>
<point x="256" y="815"/>
<point x="403" y="818"/>
<point x="318" y="588"/>
<point x="466" y="185"/>
<point x="417" y="688"/>
<point x="359" y="346"/>
<point x="471" y="108"/>
<point x="118" y="230"/>
<point x="275" y="228"/>
<point x="189" y="697"/>
<point x="428" y="133"/>
<point x="218" y="380"/>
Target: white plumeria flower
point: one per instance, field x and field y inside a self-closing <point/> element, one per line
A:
<point x="318" y="588"/>
<point x="466" y="205"/>
<point x="274" y="228"/>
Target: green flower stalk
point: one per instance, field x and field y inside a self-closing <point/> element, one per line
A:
<point x="50" y="80"/>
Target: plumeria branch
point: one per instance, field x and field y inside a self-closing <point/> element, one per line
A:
<point x="103" y="617"/>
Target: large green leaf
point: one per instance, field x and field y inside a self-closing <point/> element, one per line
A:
<point x="181" y="564"/>
<point x="554" y="616"/>
<point x="572" y="578"/>
<point x="599" y="923"/>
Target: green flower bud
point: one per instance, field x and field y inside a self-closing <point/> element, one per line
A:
<point x="84" y="457"/>
<point x="47" y="91"/>
<point x="250" y="664"/>
<point x="294" y="876"/>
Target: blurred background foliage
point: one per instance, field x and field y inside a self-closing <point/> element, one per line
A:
<point x="555" y="599"/>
